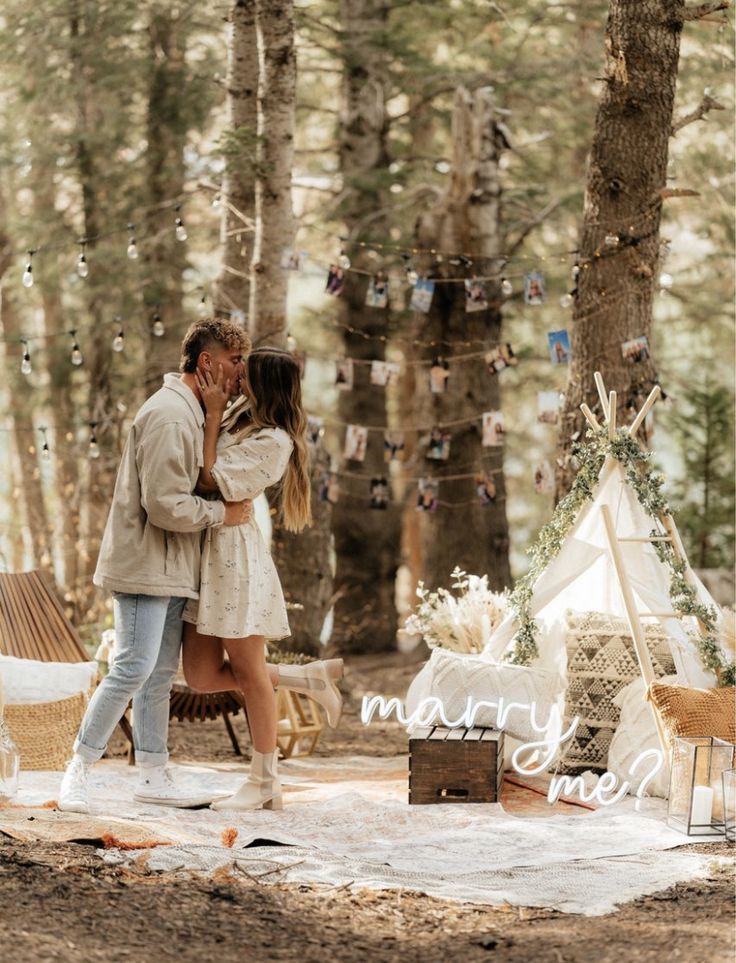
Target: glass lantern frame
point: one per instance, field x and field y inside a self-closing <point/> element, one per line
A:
<point x="698" y="761"/>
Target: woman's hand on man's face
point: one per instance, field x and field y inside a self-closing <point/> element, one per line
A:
<point x="215" y="391"/>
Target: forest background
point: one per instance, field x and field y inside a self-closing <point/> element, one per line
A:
<point x="164" y="161"/>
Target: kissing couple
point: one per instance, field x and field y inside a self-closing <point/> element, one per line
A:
<point x="188" y="568"/>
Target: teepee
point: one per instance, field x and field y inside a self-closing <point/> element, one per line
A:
<point x="608" y="564"/>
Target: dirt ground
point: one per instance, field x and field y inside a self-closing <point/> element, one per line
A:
<point x="61" y="903"/>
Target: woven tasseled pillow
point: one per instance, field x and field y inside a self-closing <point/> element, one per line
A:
<point x="690" y="713"/>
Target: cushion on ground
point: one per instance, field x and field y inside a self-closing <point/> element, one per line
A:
<point x="687" y="712"/>
<point x="26" y="681"/>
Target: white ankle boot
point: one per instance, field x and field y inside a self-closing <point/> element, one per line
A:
<point x="317" y="680"/>
<point x="262" y="788"/>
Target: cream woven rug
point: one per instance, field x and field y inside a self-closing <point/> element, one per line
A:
<point x="347" y="823"/>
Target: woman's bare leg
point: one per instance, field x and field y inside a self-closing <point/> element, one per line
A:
<point x="248" y="663"/>
<point x="205" y="667"/>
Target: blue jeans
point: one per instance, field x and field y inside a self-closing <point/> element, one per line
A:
<point x="147" y="643"/>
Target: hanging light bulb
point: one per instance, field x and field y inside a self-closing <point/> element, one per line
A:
<point x="217" y="201"/>
<point x="25" y="366"/>
<point x="94" y="449"/>
<point x="575" y="272"/>
<point x="132" y="250"/>
<point x="202" y="307"/>
<point x="76" y="355"/>
<point x="290" y="342"/>
<point x="118" y="343"/>
<point x="666" y="280"/>
<point x="507" y="287"/>
<point x="45" y="451"/>
<point x="566" y="300"/>
<point x="611" y="240"/>
<point x="82" y="266"/>
<point x="180" y="230"/>
<point x="28" y="273"/>
<point x="343" y="260"/>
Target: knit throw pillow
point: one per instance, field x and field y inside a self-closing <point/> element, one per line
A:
<point x="689" y="712"/>
<point x="601" y="661"/>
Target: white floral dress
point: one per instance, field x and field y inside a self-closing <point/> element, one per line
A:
<point x="240" y="592"/>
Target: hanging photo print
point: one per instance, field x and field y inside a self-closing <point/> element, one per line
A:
<point x="558" y="343"/>
<point x="393" y="446"/>
<point x="356" y="442"/>
<point x="379" y="493"/>
<point x="427" y="495"/>
<point x="493" y="429"/>
<point x="438" y="446"/>
<point x="329" y="488"/>
<point x="315" y="428"/>
<point x="636" y="350"/>
<point x="377" y="296"/>
<point x="421" y="295"/>
<point x="544" y="478"/>
<point x="292" y="260"/>
<point x="384" y="373"/>
<point x="500" y="357"/>
<point x="344" y="374"/>
<point x="548" y="407"/>
<point x="534" y="288"/>
<point x="485" y="487"/>
<point x="438" y="375"/>
<point x="476" y="298"/>
<point x="335" y="280"/>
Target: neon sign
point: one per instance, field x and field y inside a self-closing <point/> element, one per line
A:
<point x="545" y="748"/>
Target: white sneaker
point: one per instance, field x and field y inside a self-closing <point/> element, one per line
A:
<point x="74" y="794"/>
<point x="158" y="787"/>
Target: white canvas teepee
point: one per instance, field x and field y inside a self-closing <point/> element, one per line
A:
<point x="607" y="564"/>
<point x="583" y="578"/>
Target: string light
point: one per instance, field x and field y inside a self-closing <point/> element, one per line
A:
<point x="611" y="240"/>
<point x="118" y="343"/>
<point x="507" y="287"/>
<point x="566" y="300"/>
<point x="343" y="260"/>
<point x="25" y="366"/>
<point x="290" y="342"/>
<point x="76" y="355"/>
<point x="179" y="229"/>
<point x="157" y="329"/>
<point x="45" y="452"/>
<point x="132" y="250"/>
<point x="666" y="281"/>
<point x="93" y="451"/>
<point x="82" y="266"/>
<point x="28" y="273"/>
<point x="217" y="201"/>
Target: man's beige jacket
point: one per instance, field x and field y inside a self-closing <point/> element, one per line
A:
<point x="151" y="544"/>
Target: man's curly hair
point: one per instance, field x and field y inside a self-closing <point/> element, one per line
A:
<point x="205" y="334"/>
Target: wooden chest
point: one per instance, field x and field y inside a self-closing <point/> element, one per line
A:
<point x="455" y="765"/>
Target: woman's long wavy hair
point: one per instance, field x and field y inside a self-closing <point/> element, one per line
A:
<point x="273" y="383"/>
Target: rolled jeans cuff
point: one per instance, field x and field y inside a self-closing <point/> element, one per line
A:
<point x="148" y="760"/>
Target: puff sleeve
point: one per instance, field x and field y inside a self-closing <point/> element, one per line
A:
<point x="246" y="468"/>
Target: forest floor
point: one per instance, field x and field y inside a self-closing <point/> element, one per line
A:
<point x="60" y="902"/>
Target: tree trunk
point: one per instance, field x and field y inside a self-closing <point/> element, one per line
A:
<point x="231" y="291"/>
<point x="274" y="216"/>
<point x="164" y="254"/>
<point x="619" y="248"/>
<point x="303" y="561"/>
<point x="463" y="531"/>
<point x="367" y="543"/>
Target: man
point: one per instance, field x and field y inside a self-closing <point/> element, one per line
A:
<point x="149" y="560"/>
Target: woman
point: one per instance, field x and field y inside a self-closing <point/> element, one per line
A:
<point x="262" y="443"/>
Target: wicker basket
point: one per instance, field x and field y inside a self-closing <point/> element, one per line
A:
<point x="44" y="732"/>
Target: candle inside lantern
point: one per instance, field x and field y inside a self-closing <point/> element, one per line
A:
<point x="702" y="806"/>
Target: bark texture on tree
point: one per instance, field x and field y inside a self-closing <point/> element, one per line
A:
<point x="367" y="543"/>
<point x="466" y="219"/>
<point x="620" y="244"/>
<point x="274" y="215"/>
<point x="231" y="291"/>
<point x="163" y="255"/>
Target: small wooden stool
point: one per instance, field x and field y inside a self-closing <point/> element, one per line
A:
<point x="298" y="718"/>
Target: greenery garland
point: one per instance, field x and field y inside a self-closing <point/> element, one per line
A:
<point x="648" y="485"/>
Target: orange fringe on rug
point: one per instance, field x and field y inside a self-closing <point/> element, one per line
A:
<point x="112" y="842"/>
<point x="229" y="836"/>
